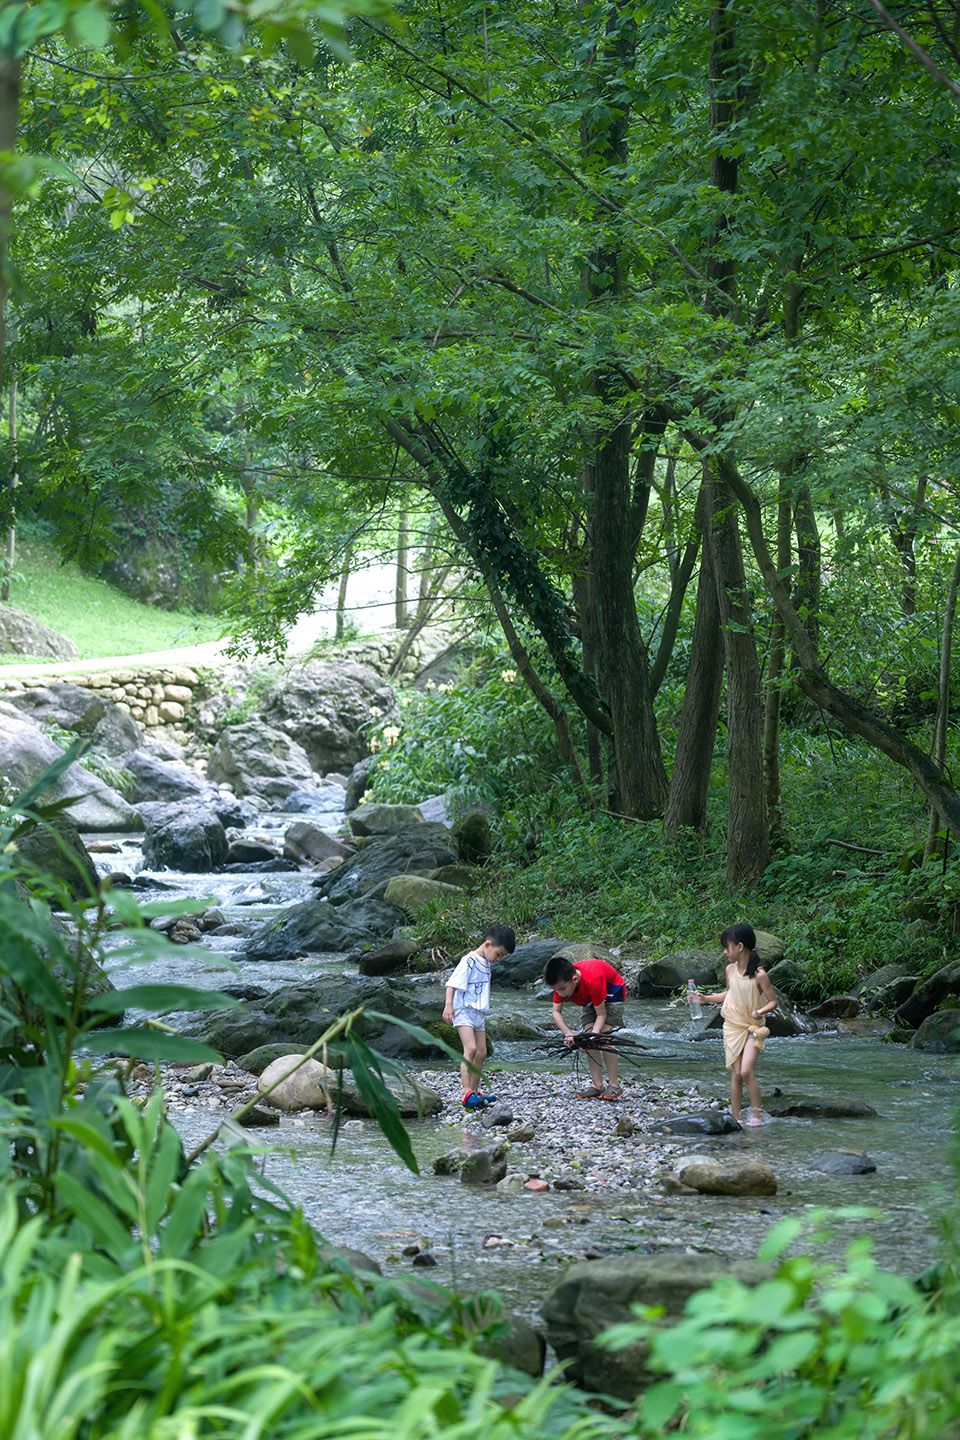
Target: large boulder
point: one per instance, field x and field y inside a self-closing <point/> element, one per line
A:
<point x="55" y="847"/>
<point x="829" y="1109"/>
<point x="327" y="707"/>
<point x="525" y="966"/>
<point x="414" y="1101"/>
<point x="20" y="634"/>
<point x="940" y="1032"/>
<point x="594" y="1295"/>
<point x="420" y="849"/>
<point x="770" y="948"/>
<point x="256" y="759"/>
<point x="728" y="1177"/>
<point x="669" y="975"/>
<point x="881" y="996"/>
<point x="317" y="927"/>
<point x="929" y="996"/>
<point x="409" y="892"/>
<point x="787" y="979"/>
<point x="292" y="1083"/>
<point x="155" y="779"/>
<point x="472" y="835"/>
<point x="25" y="753"/>
<point x="360" y="777"/>
<point x="112" y="732"/>
<point x="386" y="959"/>
<point x="191" y="839"/>
<point x="303" y="841"/>
<point x="383" y="819"/>
<point x="298" y="1015"/>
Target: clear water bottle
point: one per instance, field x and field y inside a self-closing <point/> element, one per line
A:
<point x="696" y="1010"/>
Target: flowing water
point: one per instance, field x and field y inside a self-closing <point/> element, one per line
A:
<point x="363" y="1197"/>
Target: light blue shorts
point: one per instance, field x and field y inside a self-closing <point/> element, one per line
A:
<point x="476" y="1019"/>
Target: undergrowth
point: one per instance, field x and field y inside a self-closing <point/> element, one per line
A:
<point x="846" y="894"/>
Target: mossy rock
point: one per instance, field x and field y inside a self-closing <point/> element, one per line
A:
<point x="440" y="1030"/>
<point x="472" y="836"/>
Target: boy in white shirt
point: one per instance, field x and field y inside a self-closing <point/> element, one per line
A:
<point x="468" y="1000"/>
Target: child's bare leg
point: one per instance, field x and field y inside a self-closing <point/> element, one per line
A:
<point x="596" y="1072"/>
<point x="474" y="1044"/>
<point x="750" y="1076"/>
<point x="736" y="1090"/>
<point x="611" y="1060"/>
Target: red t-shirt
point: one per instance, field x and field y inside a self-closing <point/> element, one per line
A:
<point x="599" y="984"/>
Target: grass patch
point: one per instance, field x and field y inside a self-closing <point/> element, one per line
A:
<point x="99" y="619"/>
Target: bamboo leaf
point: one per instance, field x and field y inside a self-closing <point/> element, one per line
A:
<point x="144" y="1044"/>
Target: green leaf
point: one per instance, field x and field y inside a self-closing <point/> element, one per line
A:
<point x="143" y="1044"/>
<point x="160" y="998"/>
<point x="90" y="1210"/>
<point x="300" y="45"/>
<point x="382" y="1106"/>
<point x="90" y="26"/>
<point x="87" y="1136"/>
<point x="208" y="14"/>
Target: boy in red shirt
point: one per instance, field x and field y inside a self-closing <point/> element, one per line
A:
<point x="600" y="989"/>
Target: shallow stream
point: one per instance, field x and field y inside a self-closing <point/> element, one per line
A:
<point x="361" y="1196"/>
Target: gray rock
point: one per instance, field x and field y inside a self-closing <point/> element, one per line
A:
<point x="484" y="1167"/>
<point x="939" y="1032"/>
<point x="192" y="840"/>
<point x="437" y="808"/>
<point x="522" y="1133"/>
<point x="342" y="1257"/>
<point x="929" y="996"/>
<point x="787" y="979"/>
<point x="702" y="1122"/>
<point x="425" y="1259"/>
<point x="316" y="927"/>
<point x="822" y="1109"/>
<point x="155" y="779"/>
<point x="312" y="800"/>
<point x="249" y="852"/>
<point x="383" y="819"/>
<point x="256" y="759"/>
<point x="111" y="731"/>
<point x="360" y="777"/>
<point x="472" y="835"/>
<point x="525" y="966"/>
<point x="785" y="1021"/>
<point x="258" y="1060"/>
<point x="518" y="1344"/>
<point x="669" y="975"/>
<point x="292" y="1083"/>
<point x="25" y="753"/>
<point x="592" y="1296"/>
<point x="410" y="892"/>
<point x="878" y="980"/>
<point x="887" y="997"/>
<point x="386" y="959"/>
<point x="836" y="1007"/>
<point x="55" y="847"/>
<point x="297" y="1015"/>
<point x="303" y="841"/>
<point x="421" y="848"/>
<point x="20" y="634"/>
<point x="413" y="1099"/>
<point x="258" y="1117"/>
<point x="496" y="1115"/>
<point x="770" y="948"/>
<point x="328" y="706"/>
<point x="745" y="1177"/>
<point x="844" y="1162"/>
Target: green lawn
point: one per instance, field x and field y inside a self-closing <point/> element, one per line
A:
<point x="99" y="619"/>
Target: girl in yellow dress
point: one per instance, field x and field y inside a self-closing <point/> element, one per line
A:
<point x="748" y="997"/>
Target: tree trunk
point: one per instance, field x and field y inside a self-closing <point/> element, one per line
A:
<point x="10" y="556"/>
<point x="772" y="795"/>
<point x="807" y="591"/>
<point x="943" y="694"/>
<point x="613" y="522"/>
<point x="9" y="119"/>
<point x="342" y="593"/>
<point x="748" y="841"/>
<point x="697" y="733"/>
<point x="401" y="612"/>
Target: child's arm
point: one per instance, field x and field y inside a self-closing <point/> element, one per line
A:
<point x="767" y="991"/>
<point x="601" y="1019"/>
<point x="448" y="1008"/>
<point x="561" y="1023"/>
<point x="717" y="998"/>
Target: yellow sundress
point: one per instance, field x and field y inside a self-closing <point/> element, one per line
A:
<point x="739" y="1024"/>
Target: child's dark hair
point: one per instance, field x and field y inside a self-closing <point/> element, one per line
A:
<point x="503" y="936"/>
<point x="743" y="934"/>
<point x="557" y="968"/>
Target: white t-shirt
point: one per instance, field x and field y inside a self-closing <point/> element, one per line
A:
<point x="472" y="979"/>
